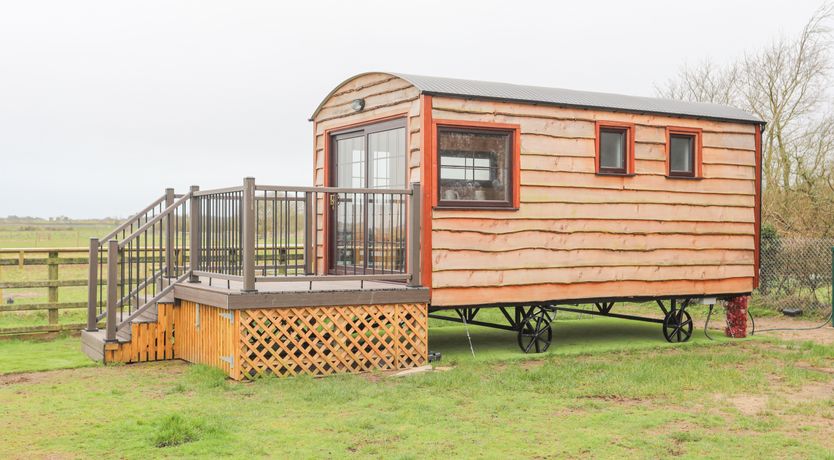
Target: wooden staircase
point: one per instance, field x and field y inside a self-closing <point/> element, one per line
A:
<point x="148" y="337"/>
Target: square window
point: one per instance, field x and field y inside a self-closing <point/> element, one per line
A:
<point x="474" y="167"/>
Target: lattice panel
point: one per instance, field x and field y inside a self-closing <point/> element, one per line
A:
<point x="329" y="340"/>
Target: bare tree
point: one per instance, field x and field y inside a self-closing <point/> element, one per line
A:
<point x="784" y="83"/>
<point x="705" y="82"/>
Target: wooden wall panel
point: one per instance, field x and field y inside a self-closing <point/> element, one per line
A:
<point x="204" y="335"/>
<point x="580" y="235"/>
<point x="149" y="341"/>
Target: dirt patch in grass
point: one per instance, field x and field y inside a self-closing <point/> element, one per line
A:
<point x="822" y="335"/>
<point x="172" y="368"/>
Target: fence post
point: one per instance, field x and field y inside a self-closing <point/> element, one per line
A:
<point x="195" y="235"/>
<point x="414" y="236"/>
<point x="92" y="287"/>
<point x="832" y="286"/>
<point x="169" y="235"/>
<point x="309" y="223"/>
<point x="249" y="230"/>
<point x="52" y="293"/>
<point x="112" y="286"/>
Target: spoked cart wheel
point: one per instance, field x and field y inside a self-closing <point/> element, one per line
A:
<point x="677" y="326"/>
<point x="534" y="332"/>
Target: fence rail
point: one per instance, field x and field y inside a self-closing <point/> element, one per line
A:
<point x="15" y="262"/>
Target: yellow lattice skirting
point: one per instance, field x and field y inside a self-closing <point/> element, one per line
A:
<point x="302" y="340"/>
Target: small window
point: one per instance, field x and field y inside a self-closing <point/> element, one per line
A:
<point x="683" y="147"/>
<point x="474" y="167"/>
<point x="681" y="155"/>
<point x="614" y="148"/>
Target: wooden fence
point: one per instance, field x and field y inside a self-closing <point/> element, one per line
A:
<point x="53" y="259"/>
<point x="15" y="261"/>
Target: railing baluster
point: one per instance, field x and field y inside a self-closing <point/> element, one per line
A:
<point x="92" y="287"/>
<point x="414" y="224"/>
<point x="112" y="293"/>
<point x="249" y="234"/>
<point x="195" y="234"/>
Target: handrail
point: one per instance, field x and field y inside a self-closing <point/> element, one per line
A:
<point x="218" y="190"/>
<point x="153" y="300"/>
<point x="128" y="222"/>
<point x="281" y="188"/>
<point x="153" y="221"/>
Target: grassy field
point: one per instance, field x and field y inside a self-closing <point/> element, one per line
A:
<point x="606" y="389"/>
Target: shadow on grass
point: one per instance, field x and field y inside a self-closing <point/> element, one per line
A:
<point x="595" y="335"/>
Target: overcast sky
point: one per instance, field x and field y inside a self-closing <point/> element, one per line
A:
<point x="104" y="104"/>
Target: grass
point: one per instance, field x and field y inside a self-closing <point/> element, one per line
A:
<point x="41" y="355"/>
<point x="607" y="388"/>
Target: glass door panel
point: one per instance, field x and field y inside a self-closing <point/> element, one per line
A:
<point x="386" y="225"/>
<point x="348" y="209"/>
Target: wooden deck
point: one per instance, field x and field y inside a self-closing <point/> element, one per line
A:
<point x="227" y="294"/>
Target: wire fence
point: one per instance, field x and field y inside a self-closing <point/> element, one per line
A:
<point x="795" y="274"/>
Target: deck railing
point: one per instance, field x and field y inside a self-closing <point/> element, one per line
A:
<point x="253" y="234"/>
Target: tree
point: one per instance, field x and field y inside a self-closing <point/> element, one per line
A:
<point x="784" y="83"/>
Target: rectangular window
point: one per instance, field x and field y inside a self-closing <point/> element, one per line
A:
<point x="474" y="167"/>
<point x="683" y="147"/>
<point x="614" y="145"/>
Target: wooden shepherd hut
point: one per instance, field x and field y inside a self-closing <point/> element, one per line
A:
<point x="438" y="197"/>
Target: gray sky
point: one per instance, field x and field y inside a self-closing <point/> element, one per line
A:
<point x="104" y="104"/>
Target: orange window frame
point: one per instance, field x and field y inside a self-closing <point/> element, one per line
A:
<point x="515" y="160"/>
<point x="697" y="160"/>
<point x="629" y="153"/>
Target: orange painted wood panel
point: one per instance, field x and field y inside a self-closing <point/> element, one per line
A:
<point x="461" y="107"/>
<point x="532" y="239"/>
<point x="546" y="258"/>
<point x="612" y="211"/>
<point x="613" y="227"/>
<point x="577" y="291"/>
<point x="567" y="194"/>
<point x="569" y="275"/>
<point x="150" y="341"/>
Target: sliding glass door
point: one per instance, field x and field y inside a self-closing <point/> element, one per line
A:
<point x="368" y="230"/>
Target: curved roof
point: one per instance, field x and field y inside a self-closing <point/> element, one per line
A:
<point x="474" y="89"/>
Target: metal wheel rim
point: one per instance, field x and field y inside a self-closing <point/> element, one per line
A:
<point x="535" y="333"/>
<point x="677" y="326"/>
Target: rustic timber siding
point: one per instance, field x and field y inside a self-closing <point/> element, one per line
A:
<point x="576" y="234"/>
<point x="385" y="96"/>
<point x="580" y="235"/>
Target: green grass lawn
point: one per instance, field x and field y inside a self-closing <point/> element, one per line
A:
<point x="606" y="389"/>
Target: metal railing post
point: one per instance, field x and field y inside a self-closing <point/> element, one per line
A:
<point x="414" y="232"/>
<point x="249" y="230"/>
<point x="169" y="235"/>
<point x="92" y="287"/>
<point x="112" y="288"/>
<point x="195" y="235"/>
<point x="309" y="223"/>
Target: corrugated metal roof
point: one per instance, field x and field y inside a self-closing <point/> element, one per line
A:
<point x="570" y="98"/>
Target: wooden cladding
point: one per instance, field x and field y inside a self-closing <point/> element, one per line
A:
<point x="207" y="335"/>
<point x="246" y="344"/>
<point x="330" y="340"/>
<point x="582" y="231"/>
<point x="149" y="341"/>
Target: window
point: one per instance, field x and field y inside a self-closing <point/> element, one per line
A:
<point x="615" y="147"/>
<point x="683" y="147"/>
<point x="475" y="167"/>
